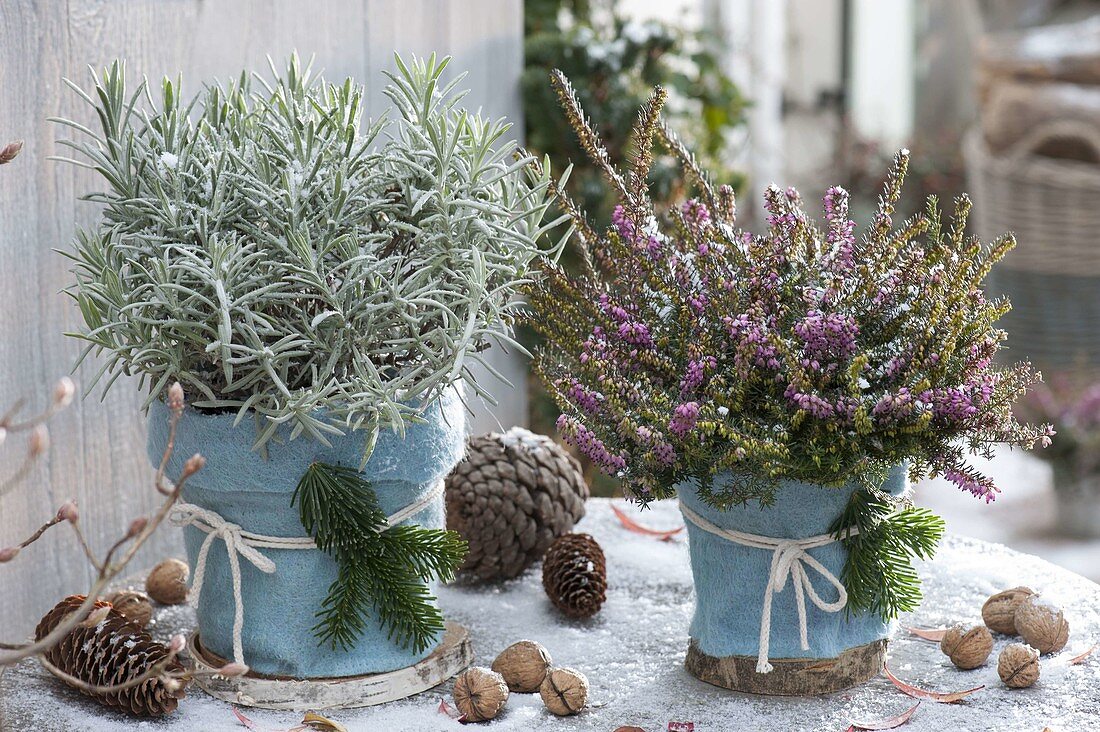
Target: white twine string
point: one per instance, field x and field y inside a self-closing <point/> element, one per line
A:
<point x="789" y="560"/>
<point x="241" y="543"/>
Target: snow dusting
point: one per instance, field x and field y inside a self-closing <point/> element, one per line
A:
<point x="523" y="439"/>
<point x="633" y="652"/>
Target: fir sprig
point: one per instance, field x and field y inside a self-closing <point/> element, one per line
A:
<point x="882" y="536"/>
<point x="382" y="570"/>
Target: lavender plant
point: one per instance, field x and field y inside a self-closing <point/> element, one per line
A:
<point x="261" y="247"/>
<point x="693" y="351"/>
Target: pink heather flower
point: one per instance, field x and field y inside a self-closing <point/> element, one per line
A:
<point x="579" y="436"/>
<point x="684" y="419"/>
<point x="839" y="232"/>
<point x="695" y="212"/>
<point x="893" y="408"/>
<point x="753" y="347"/>
<point x="828" y="337"/>
<point x="957" y="405"/>
<point x="887" y="290"/>
<point x="636" y="333"/>
<point x="980" y="487"/>
<point x="895" y="366"/>
<point x="628" y="230"/>
<point x="623" y="224"/>
<point x="696" y="372"/>
<point x="812" y="403"/>
<point x="664" y="453"/>
<point x="585" y="398"/>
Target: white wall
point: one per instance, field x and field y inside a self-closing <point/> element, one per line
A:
<point x="883" y="74"/>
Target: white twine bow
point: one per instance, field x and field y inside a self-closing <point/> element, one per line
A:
<point x="241" y="543"/>
<point x="789" y="561"/>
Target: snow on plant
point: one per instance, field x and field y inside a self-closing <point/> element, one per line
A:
<point x="262" y="248"/>
<point x="693" y="351"/>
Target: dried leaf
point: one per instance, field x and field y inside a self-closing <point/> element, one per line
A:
<point x="322" y="724"/>
<point x="889" y="723"/>
<point x="256" y="728"/>
<point x="637" y="528"/>
<point x="245" y="720"/>
<point x="447" y="709"/>
<point x="935" y="696"/>
<point x="1082" y="657"/>
<point x="929" y="634"/>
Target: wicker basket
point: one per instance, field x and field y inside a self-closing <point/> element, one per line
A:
<point x="1053" y="275"/>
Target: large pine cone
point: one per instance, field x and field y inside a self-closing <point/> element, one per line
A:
<point x="109" y="654"/>
<point x="510" y="498"/>
<point x="574" y="575"/>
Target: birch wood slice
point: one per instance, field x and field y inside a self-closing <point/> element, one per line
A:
<point x="789" y="676"/>
<point x="269" y="692"/>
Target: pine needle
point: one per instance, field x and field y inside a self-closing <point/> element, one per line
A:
<point x="382" y="571"/>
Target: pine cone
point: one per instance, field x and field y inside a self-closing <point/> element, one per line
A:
<point x="107" y="655"/>
<point x="510" y="498"/>
<point x="574" y="575"/>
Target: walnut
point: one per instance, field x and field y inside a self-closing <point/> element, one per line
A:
<point x="999" y="611"/>
<point x="1018" y="665"/>
<point x="564" y="691"/>
<point x="967" y="647"/>
<point x="480" y="694"/>
<point x="523" y="666"/>
<point x="167" y="583"/>
<point x="133" y="605"/>
<point x="1042" y="626"/>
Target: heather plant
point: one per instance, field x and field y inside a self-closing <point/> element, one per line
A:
<point x="274" y="256"/>
<point x="691" y="351"/>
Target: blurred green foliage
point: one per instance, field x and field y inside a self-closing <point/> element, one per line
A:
<point x="614" y="62"/>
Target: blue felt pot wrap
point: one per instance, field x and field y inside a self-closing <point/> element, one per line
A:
<point x="730" y="579"/>
<point x="253" y="489"/>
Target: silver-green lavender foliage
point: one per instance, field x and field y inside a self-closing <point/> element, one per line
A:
<point x="263" y="248"/>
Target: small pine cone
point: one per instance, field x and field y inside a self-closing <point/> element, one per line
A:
<point x="109" y="654"/>
<point x="574" y="575"/>
<point x="511" y="496"/>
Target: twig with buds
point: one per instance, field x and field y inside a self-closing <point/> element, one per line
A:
<point x="9" y="151"/>
<point x="39" y="441"/>
<point x="115" y="559"/>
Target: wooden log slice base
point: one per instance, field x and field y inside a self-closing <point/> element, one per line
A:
<point x="789" y="676"/>
<point x="271" y="692"/>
